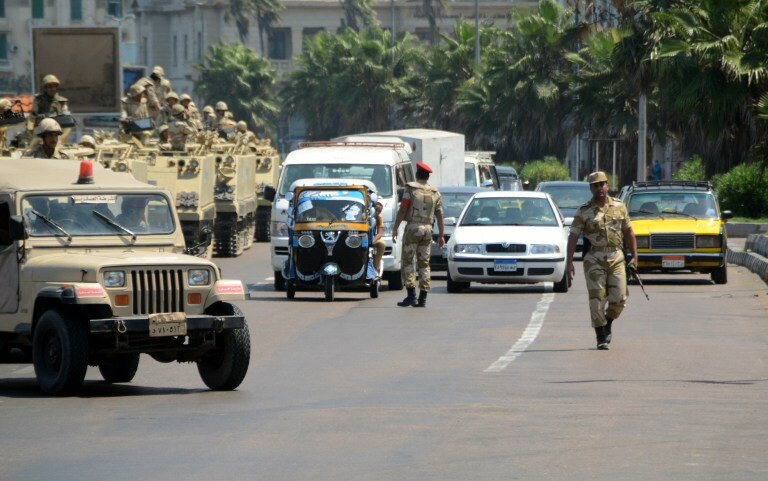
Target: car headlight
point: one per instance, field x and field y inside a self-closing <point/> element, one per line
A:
<point x="643" y="241"/>
<point x="114" y="279"/>
<point x="708" y="241"/>
<point x="544" y="249"/>
<point x="198" y="277"/>
<point x="354" y="241"/>
<point x="468" y="248"/>
<point x="279" y="229"/>
<point x="306" y="241"/>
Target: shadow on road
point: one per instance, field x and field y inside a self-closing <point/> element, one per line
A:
<point x="27" y="388"/>
<point x="737" y="382"/>
<point x="669" y="281"/>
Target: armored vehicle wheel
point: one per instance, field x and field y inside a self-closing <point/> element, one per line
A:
<point x="119" y="368"/>
<point x="224" y="368"/>
<point x="720" y="275"/>
<point x="454" y="286"/>
<point x="329" y="288"/>
<point x="262" y="224"/>
<point x="562" y="284"/>
<point x="228" y="239"/>
<point x="279" y="281"/>
<point x="60" y="352"/>
<point x="290" y="289"/>
<point x="394" y="281"/>
<point x="375" y="285"/>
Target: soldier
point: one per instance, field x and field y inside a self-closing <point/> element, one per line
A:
<point x="49" y="131"/>
<point x="164" y="143"/>
<point x="192" y="113"/>
<point x="156" y="87"/>
<point x="223" y="117"/>
<point x="48" y="103"/>
<point x="179" y="129"/>
<point x="171" y="99"/>
<point x="135" y="105"/>
<point x="243" y="133"/>
<point x="88" y="142"/>
<point x="604" y="221"/>
<point x="420" y="206"/>
<point x="209" y="118"/>
<point x="378" y="243"/>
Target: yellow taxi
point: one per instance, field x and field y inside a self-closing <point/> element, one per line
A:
<point x="679" y="227"/>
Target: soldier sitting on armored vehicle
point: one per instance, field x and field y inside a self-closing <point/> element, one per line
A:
<point x="192" y="113"/>
<point x="49" y="131"/>
<point x="167" y="113"/>
<point x="179" y="129"/>
<point x="135" y="105"/>
<point x="164" y="141"/>
<point x="48" y="103"/>
<point x="209" y="118"/>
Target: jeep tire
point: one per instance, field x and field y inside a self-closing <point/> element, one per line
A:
<point x="224" y="368"/>
<point x="60" y="352"/>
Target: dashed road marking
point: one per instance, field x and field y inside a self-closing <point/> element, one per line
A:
<point x="529" y="335"/>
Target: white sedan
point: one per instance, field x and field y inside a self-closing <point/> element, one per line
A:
<point x="508" y="237"/>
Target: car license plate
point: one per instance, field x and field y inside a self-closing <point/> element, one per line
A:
<point x="673" y="262"/>
<point x="168" y="324"/>
<point x="505" y="265"/>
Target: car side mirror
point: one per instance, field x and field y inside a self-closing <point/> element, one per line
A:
<point x="17" y="228"/>
<point x="400" y="193"/>
<point x="726" y="214"/>
<point x="269" y="193"/>
<point x="488" y="183"/>
<point x="449" y="221"/>
<point x="289" y="196"/>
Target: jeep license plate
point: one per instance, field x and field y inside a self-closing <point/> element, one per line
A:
<point x="168" y="324"/>
<point x="673" y="262"/>
<point x="505" y="265"/>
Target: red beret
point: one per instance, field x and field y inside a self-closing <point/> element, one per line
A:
<point x="423" y="167"/>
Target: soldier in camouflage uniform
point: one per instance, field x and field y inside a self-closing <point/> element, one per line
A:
<point x="49" y="131"/>
<point x="171" y="99"/>
<point x="48" y="103"/>
<point x="135" y="105"/>
<point x="420" y="206"/>
<point x="604" y="221"/>
<point x="179" y="129"/>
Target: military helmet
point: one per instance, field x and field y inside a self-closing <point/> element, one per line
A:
<point x="172" y="95"/>
<point x="158" y="70"/>
<point x="162" y="129"/>
<point x="207" y="109"/>
<point x="48" y="126"/>
<point x="50" y="79"/>
<point x="221" y="105"/>
<point x="5" y="104"/>
<point x="178" y="110"/>
<point x="242" y="126"/>
<point x="229" y="115"/>
<point x="87" y="139"/>
<point x="185" y="97"/>
<point x="135" y="90"/>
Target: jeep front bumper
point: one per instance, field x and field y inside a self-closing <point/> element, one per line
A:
<point x="140" y="325"/>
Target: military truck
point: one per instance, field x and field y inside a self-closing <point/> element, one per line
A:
<point x="235" y="195"/>
<point x="92" y="272"/>
<point x="267" y="177"/>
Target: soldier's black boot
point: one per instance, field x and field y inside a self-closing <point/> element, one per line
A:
<point x="602" y="345"/>
<point x="422" y="302"/>
<point x="607" y="330"/>
<point x="410" y="299"/>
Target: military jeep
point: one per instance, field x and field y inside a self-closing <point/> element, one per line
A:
<point x="92" y="272"/>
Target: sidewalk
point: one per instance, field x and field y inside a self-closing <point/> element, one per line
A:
<point x="740" y="251"/>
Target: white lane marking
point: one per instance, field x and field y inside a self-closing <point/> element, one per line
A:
<point x="271" y="278"/>
<point x="529" y="335"/>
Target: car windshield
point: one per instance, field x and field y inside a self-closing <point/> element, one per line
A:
<point x="568" y="196"/>
<point x="97" y="214"/>
<point x="380" y="175"/>
<point x="681" y="204"/>
<point x="330" y="206"/>
<point x="509" y="211"/>
<point x="454" y="202"/>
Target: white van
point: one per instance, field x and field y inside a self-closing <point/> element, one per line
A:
<point x="480" y="170"/>
<point x="385" y="164"/>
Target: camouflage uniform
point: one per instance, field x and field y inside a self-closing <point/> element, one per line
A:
<point x="133" y="109"/>
<point x="150" y="88"/>
<point x="46" y="106"/>
<point x="604" y="263"/>
<point x="38" y="152"/>
<point x="424" y="202"/>
<point x="178" y="131"/>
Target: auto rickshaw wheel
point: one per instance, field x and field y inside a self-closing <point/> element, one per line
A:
<point x="375" y="285"/>
<point x="329" y="288"/>
<point x="290" y="289"/>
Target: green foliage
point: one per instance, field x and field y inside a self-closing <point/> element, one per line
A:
<point x="245" y="81"/>
<point x="544" y="170"/>
<point x="692" y="169"/>
<point x="744" y="190"/>
<point x="265" y="12"/>
<point x="359" y="14"/>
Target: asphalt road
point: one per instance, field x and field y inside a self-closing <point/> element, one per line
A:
<point x="498" y="383"/>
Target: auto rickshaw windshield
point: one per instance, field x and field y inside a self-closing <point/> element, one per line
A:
<point x="330" y="206"/>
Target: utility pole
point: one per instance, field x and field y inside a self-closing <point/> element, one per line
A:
<point x="392" y="12"/>
<point x="642" y="134"/>
<point x="477" y="32"/>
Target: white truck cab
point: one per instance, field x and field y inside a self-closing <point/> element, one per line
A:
<point x="480" y="170"/>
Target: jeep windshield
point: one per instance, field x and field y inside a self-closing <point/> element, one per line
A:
<point x="380" y="175"/>
<point x="699" y="205"/>
<point x="98" y="215"/>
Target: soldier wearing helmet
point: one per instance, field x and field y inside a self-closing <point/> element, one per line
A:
<point x="87" y="141"/>
<point x="192" y="113"/>
<point x="164" y="143"/>
<point x="171" y="99"/>
<point x="49" y="131"/>
<point x="179" y="129"/>
<point x="135" y="105"/>
<point x="209" y="119"/>
<point x="49" y="103"/>
<point x="245" y="136"/>
<point x="156" y="87"/>
<point x="223" y="122"/>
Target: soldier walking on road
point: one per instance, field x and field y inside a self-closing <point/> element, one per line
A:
<point x="604" y="221"/>
<point x="420" y="206"/>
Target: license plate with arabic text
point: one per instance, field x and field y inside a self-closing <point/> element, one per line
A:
<point x="673" y="262"/>
<point x="168" y="324"/>
<point x="506" y="265"/>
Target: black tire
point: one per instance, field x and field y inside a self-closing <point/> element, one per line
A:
<point x="279" y="281"/>
<point x="455" y="287"/>
<point x="224" y="368"/>
<point x="561" y="286"/>
<point x="229" y="239"/>
<point x="394" y="281"/>
<point x="720" y="275"/>
<point x="119" y="368"/>
<point x="290" y="289"/>
<point x="329" y="288"/>
<point x="375" y="289"/>
<point x="60" y="352"/>
<point x="262" y="224"/>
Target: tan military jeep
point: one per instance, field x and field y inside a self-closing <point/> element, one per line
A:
<point x="92" y="273"/>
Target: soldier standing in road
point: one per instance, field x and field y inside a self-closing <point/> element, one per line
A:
<point x="179" y="129"/>
<point x="604" y="221"/>
<point x="48" y="103"/>
<point x="420" y="206"/>
<point x="49" y="131"/>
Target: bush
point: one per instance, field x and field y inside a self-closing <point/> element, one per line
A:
<point x="692" y="169"/>
<point x="543" y="170"/>
<point x="744" y="190"/>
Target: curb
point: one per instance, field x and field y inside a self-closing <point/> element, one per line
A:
<point x="743" y="229"/>
<point x="753" y="257"/>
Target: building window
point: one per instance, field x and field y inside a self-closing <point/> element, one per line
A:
<point x="76" y="9"/>
<point x="175" y="51"/>
<point x="199" y="45"/>
<point x="186" y="48"/>
<point x="3" y="47"/>
<point x="115" y="8"/>
<point x="144" y="51"/>
<point x="2" y="8"/>
<point x="38" y="8"/>
<point x="310" y="32"/>
<point x="280" y="43"/>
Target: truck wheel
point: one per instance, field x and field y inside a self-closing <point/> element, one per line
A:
<point x="224" y="368"/>
<point x="394" y="281"/>
<point x="279" y="281"/>
<point x="60" y="352"/>
<point x="119" y="368"/>
<point x="228" y="239"/>
<point x="329" y="294"/>
<point x="262" y="224"/>
<point x="562" y="285"/>
<point x="720" y="275"/>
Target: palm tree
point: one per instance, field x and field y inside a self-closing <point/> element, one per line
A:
<point x="433" y="9"/>
<point x="359" y="14"/>
<point x="244" y="80"/>
<point x="265" y="12"/>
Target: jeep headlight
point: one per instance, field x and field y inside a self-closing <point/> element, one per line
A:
<point x="642" y="241"/>
<point x="199" y="277"/>
<point x="114" y="279"/>
<point x="279" y="229"/>
<point x="468" y="248"/>
<point x="544" y="249"/>
<point x="708" y="241"/>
